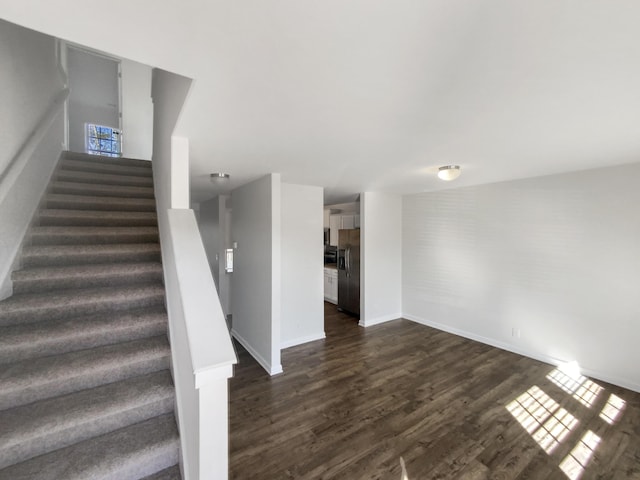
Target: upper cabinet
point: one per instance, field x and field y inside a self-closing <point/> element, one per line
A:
<point x="341" y="222"/>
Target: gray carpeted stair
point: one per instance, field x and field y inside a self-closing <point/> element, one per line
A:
<point x="90" y="236"/>
<point x="52" y="255"/>
<point x="85" y="385"/>
<point x="92" y="189"/>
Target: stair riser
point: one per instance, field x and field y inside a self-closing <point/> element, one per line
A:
<point x="76" y="282"/>
<point x="33" y="393"/>
<point x="102" y="178"/>
<point x="88" y="258"/>
<point x="79" y="188"/>
<point x="106" y="167"/>
<point x="85" y="221"/>
<point x="103" y="203"/>
<point x="69" y="237"/>
<point x="14" y="349"/>
<point x="60" y="438"/>
<point x="30" y="315"/>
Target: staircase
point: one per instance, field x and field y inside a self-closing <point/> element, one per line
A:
<point x="85" y="386"/>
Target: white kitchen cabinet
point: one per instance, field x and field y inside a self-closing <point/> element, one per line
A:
<point x="331" y="285"/>
<point x="335" y="224"/>
<point x="348" y="221"/>
<point x="341" y="222"/>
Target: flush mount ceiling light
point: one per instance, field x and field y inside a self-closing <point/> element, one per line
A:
<point x="218" y="176"/>
<point x="449" y="172"/>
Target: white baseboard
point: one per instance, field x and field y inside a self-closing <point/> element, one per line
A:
<point x="301" y="340"/>
<point x="271" y="369"/>
<point x="524" y="352"/>
<point x="378" y="320"/>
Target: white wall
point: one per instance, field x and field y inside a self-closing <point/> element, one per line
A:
<point x="209" y="225"/>
<point x="94" y="93"/>
<point x="29" y="83"/>
<point x="255" y="292"/>
<point x="556" y="258"/>
<point x="302" y="265"/>
<point x="137" y="110"/>
<point x="168" y="91"/>
<point x="214" y="229"/>
<point x="381" y="262"/>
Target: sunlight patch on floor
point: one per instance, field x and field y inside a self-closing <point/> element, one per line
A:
<point x="574" y="464"/>
<point x="542" y="418"/>
<point x="612" y="409"/>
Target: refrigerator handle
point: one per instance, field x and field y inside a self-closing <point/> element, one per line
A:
<point x="349" y="261"/>
<point x="346" y="261"/>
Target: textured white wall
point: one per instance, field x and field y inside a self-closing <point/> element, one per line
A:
<point x="557" y="258"/>
<point x="255" y="287"/>
<point x="302" y="265"/>
<point x="381" y="257"/>
<point x="137" y="110"/>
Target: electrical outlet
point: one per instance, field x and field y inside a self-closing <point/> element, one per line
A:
<point x="515" y="332"/>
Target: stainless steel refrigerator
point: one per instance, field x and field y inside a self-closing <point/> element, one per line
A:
<point x="349" y="270"/>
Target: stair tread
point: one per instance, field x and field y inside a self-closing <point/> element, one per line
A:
<point x="171" y="473"/>
<point x="102" y="178"/>
<point x="32" y="340"/>
<point x="132" y="452"/>
<point x="39" y="305"/>
<point x="69" y="253"/>
<point x="97" y="189"/>
<point x="49" y="216"/>
<point x="92" y="275"/>
<point x="89" y="158"/>
<point x="99" y="269"/>
<point x="106" y="166"/>
<point x="89" y="295"/>
<point x="37" y="428"/>
<point x="106" y="248"/>
<point x="69" y="235"/>
<point x="63" y="212"/>
<point x="31" y="380"/>
<point x="73" y="201"/>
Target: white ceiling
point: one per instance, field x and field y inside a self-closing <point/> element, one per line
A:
<point x="368" y="95"/>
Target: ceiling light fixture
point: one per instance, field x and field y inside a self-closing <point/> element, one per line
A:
<point x="449" y="172"/>
<point x="215" y="177"/>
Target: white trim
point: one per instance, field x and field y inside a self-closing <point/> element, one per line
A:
<point x="524" y="352"/>
<point x="205" y="376"/>
<point x="301" y="340"/>
<point x="376" y="321"/>
<point x="271" y="370"/>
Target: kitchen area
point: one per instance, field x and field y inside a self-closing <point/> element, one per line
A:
<point x="342" y="257"/>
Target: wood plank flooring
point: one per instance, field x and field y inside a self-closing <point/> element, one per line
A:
<point x="349" y="406"/>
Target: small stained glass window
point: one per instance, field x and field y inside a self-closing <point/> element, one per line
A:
<point x="101" y="140"/>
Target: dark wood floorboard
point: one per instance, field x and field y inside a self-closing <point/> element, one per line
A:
<point x="349" y="406"/>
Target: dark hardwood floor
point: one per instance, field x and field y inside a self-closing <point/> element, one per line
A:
<point x="349" y="406"/>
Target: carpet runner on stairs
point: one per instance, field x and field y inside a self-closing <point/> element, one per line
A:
<point x="85" y="386"/>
